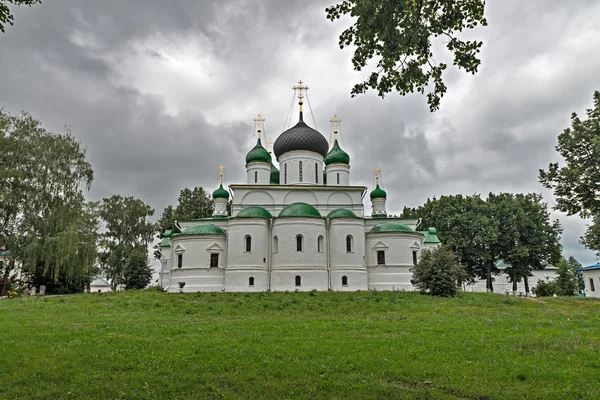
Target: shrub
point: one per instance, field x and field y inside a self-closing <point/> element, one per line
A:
<point x="438" y="272"/>
<point x="546" y="288"/>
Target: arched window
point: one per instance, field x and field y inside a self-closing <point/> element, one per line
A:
<point x="275" y="244"/>
<point x="415" y="261"/>
<point x="344" y="280"/>
<point x="298" y="280"/>
<point x="300" y="171"/>
<point x="381" y="257"/>
<point x="349" y="244"/>
<point x="299" y="243"/>
<point x="179" y="260"/>
<point x="338" y="178"/>
<point x="317" y="172"/>
<point x="251" y="281"/>
<point x="255" y="176"/>
<point x="248" y="240"/>
<point x="285" y="173"/>
<point x="320" y="244"/>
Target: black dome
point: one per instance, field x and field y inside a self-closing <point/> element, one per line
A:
<point x="301" y="137"/>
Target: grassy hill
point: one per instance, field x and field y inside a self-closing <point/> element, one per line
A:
<point x="146" y="345"/>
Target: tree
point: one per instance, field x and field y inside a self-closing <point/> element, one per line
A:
<point x="128" y="230"/>
<point x="567" y="280"/>
<point x="45" y="221"/>
<point x="6" y="16"/>
<point x="400" y="35"/>
<point x="191" y="204"/>
<point x="576" y="185"/>
<point x="438" y="273"/>
<point x="137" y="274"/>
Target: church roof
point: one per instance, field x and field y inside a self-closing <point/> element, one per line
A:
<point x="378" y="193"/>
<point x="258" y="154"/>
<point x="164" y="243"/>
<point x="301" y="137"/>
<point x="220" y="193"/>
<point x="300" y="210"/>
<point x="336" y="155"/>
<point x="203" y="229"/>
<point x="390" y="227"/>
<point x="341" y="213"/>
<point x="254" y="212"/>
<point x="431" y="236"/>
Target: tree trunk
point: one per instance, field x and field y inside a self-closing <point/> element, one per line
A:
<point x="514" y="282"/>
<point x="489" y="286"/>
<point x="526" y="282"/>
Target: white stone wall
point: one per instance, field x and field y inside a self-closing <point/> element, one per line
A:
<point x="196" y="272"/>
<point x="242" y="265"/>
<point x="309" y="264"/>
<point x="333" y="170"/>
<point x="502" y="283"/>
<point x="593" y="274"/>
<point x="165" y="267"/>
<point x="343" y="263"/>
<point x="263" y="173"/>
<point x="292" y="159"/>
<point x="398" y="247"/>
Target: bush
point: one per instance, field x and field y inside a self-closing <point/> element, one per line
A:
<point x="546" y="288"/>
<point x="438" y="272"/>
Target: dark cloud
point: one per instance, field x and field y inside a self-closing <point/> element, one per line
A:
<point x="162" y="92"/>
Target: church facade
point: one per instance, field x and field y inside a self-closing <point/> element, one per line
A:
<point x="297" y="227"/>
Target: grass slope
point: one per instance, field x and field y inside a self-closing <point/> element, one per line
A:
<point x="146" y="345"/>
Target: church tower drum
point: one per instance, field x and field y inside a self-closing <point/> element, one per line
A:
<point x="258" y="160"/>
<point x="337" y="161"/>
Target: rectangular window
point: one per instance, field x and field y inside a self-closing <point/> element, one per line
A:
<point x="255" y="176"/>
<point x="338" y="178"/>
<point x="592" y="288"/>
<point x="300" y="171"/>
<point x="381" y="257"/>
<point x="179" y="260"/>
<point x="414" y="257"/>
<point x="285" y="174"/>
<point x="316" y="172"/>
<point x="214" y="260"/>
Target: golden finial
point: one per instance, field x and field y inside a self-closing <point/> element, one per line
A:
<point x="269" y="144"/>
<point x="259" y="120"/>
<point x="377" y="175"/>
<point x="300" y="87"/>
<point x="336" y="125"/>
<point x="221" y="169"/>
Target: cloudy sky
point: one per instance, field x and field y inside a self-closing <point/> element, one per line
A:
<point x="163" y="92"/>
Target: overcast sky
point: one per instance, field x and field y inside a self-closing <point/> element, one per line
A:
<point x="162" y="92"/>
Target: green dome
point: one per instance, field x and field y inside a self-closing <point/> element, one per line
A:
<point x="337" y="155"/>
<point x="431" y="236"/>
<point x="300" y="210"/>
<point x="341" y="213"/>
<point x="274" y="175"/>
<point x="203" y="229"/>
<point x="258" y="154"/>
<point x="391" y="227"/>
<point x="378" y="193"/>
<point x="254" y="212"/>
<point x="220" y="193"/>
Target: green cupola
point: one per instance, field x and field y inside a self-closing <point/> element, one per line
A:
<point x="378" y="193"/>
<point x="336" y="155"/>
<point x="274" y="175"/>
<point x="258" y="154"/>
<point x="220" y="193"/>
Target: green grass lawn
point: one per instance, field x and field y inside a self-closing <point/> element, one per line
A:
<point x="146" y="345"/>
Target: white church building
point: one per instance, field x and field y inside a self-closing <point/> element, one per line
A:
<point x="299" y="227"/>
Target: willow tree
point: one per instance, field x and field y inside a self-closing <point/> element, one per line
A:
<point x="46" y="222"/>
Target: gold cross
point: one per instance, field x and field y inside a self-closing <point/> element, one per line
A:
<point x="300" y="87"/>
<point x="269" y="144"/>
<point x="221" y="169"/>
<point x="259" y="120"/>
<point x="377" y="174"/>
<point x="335" y="121"/>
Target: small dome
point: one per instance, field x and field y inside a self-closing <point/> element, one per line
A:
<point x="165" y="242"/>
<point x="378" y="193"/>
<point x="258" y="154"/>
<point x="220" y="193"/>
<point x="431" y="236"/>
<point x="301" y="137"/>
<point x="336" y="155"/>
<point x="203" y="229"/>
<point x="390" y="227"/>
<point x="274" y="175"/>
<point x="300" y="210"/>
<point x="254" y="212"/>
<point x="341" y="213"/>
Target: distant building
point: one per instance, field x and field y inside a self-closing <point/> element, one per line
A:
<point x="591" y="280"/>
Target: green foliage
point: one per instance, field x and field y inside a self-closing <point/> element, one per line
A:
<point x="44" y="218"/>
<point x="6" y="16"/>
<point x="128" y="229"/>
<point x="137" y="273"/>
<point x="191" y="204"/>
<point x="332" y="345"/>
<point x="546" y="288"/>
<point x="400" y="36"/>
<point x="576" y="184"/>
<point x="438" y="272"/>
<point x="568" y="279"/>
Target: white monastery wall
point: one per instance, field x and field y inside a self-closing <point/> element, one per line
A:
<point x="344" y="263"/>
<point x="594" y="275"/>
<point x="243" y="265"/>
